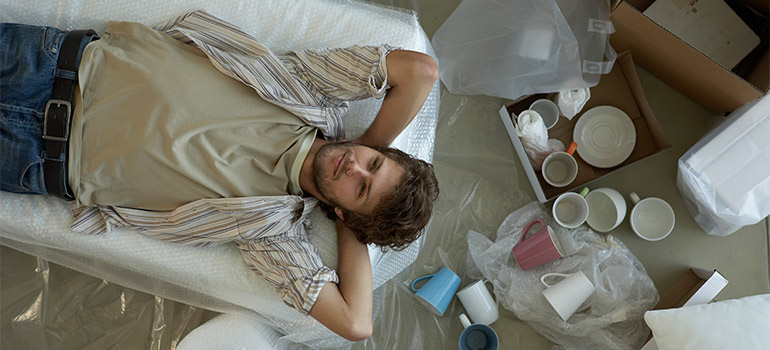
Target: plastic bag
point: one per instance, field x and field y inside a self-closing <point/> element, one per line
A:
<point x="521" y="47"/>
<point x="534" y="138"/>
<point x="611" y="318"/>
<point x="590" y="23"/>
<point x="724" y="178"/>
<point x="507" y="49"/>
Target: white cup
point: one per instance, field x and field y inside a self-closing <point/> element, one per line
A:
<point x="608" y="209"/>
<point x="560" y="168"/>
<point x="652" y="218"/>
<point x="567" y="295"/>
<point x="570" y="209"/>
<point x="478" y="302"/>
<point x="548" y="110"/>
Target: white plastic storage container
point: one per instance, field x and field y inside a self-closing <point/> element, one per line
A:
<point x="725" y="177"/>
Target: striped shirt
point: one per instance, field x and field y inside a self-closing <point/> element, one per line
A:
<point x="270" y="231"/>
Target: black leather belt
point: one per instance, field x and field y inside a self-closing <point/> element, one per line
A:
<point x="58" y="116"/>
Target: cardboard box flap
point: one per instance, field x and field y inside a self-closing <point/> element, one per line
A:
<point x="695" y="287"/>
<point x="677" y="63"/>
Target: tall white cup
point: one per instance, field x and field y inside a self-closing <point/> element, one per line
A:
<point x="567" y="295"/>
<point x="478" y="302"/>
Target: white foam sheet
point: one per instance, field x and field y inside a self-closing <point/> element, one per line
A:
<point x="216" y="278"/>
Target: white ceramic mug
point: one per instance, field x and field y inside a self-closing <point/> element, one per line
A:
<point x="548" y="110"/>
<point x="570" y="209"/>
<point x="652" y="218"/>
<point x="478" y="303"/>
<point x="608" y="209"/>
<point x="560" y="168"/>
<point x="567" y="295"/>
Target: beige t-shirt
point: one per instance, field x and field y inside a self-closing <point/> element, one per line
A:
<point x="161" y="127"/>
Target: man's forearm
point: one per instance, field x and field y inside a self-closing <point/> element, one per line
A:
<point x="411" y="76"/>
<point x="346" y="309"/>
<point x="355" y="272"/>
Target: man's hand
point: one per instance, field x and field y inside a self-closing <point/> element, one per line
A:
<point x="411" y="76"/>
<point x="346" y="309"/>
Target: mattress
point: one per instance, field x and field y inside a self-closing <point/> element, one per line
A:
<point x="216" y="278"/>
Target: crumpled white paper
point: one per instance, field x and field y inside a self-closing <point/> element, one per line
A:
<point x="534" y="137"/>
<point x="571" y="102"/>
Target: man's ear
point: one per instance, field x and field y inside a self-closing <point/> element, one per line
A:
<point x="340" y="213"/>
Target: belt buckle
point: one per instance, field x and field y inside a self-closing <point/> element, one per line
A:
<point x="58" y="103"/>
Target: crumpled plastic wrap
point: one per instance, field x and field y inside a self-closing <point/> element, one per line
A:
<point x="611" y="318"/>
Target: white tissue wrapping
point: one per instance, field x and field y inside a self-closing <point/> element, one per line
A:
<point x="216" y="278"/>
<point x="571" y="102"/>
<point x="534" y="138"/>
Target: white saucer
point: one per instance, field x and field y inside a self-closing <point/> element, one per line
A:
<point x="605" y="136"/>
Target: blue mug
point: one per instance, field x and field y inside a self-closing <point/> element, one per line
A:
<point x="477" y="336"/>
<point x="438" y="291"/>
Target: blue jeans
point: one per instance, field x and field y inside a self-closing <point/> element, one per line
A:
<point x="28" y="56"/>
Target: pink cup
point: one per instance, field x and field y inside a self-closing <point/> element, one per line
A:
<point x="540" y="248"/>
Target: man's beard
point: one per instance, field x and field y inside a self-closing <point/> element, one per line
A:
<point x="321" y="163"/>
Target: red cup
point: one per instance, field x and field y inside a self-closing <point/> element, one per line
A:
<point x="540" y="248"/>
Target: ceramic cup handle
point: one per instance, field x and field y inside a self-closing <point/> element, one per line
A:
<point x="465" y="321"/>
<point x="572" y="148"/>
<point x="542" y="279"/>
<point x="526" y="229"/>
<point x="418" y="280"/>
<point x="635" y="197"/>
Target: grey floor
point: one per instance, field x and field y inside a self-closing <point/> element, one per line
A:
<point x="38" y="299"/>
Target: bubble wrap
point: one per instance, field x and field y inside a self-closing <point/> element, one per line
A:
<point x="611" y="318"/>
<point x="216" y="278"/>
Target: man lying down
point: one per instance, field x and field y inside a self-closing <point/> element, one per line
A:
<point x="163" y="132"/>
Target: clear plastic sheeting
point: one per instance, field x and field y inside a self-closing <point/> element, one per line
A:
<point x="725" y="177"/>
<point x="46" y="306"/>
<point x="611" y="318"/>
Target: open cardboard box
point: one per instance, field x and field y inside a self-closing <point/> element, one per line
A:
<point x="683" y="67"/>
<point x="695" y="287"/>
<point x="619" y="88"/>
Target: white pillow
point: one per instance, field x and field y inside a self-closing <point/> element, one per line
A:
<point x="731" y="324"/>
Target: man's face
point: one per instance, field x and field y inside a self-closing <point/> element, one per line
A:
<point x="354" y="177"/>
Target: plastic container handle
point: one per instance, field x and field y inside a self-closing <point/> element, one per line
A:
<point x="572" y="148"/>
<point x="635" y="198"/>
<point x="526" y="229"/>
<point x="418" y="280"/>
<point x="542" y="279"/>
<point x="465" y="321"/>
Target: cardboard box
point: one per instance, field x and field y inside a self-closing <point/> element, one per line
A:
<point x="685" y="68"/>
<point x="695" y="287"/>
<point x="619" y="88"/>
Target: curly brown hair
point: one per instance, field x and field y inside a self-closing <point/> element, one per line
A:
<point x="400" y="216"/>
